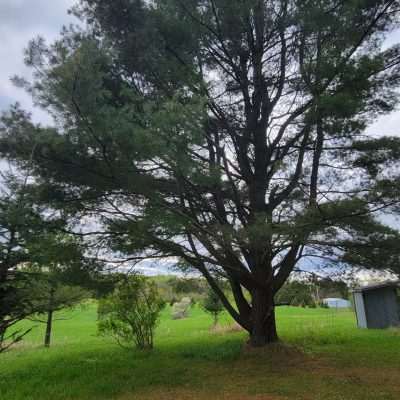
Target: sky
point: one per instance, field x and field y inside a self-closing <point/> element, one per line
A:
<point x="20" y="21"/>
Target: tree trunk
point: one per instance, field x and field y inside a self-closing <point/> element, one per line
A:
<point x="263" y="329"/>
<point x="49" y="324"/>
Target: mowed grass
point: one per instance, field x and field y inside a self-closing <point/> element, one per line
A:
<point x="322" y="356"/>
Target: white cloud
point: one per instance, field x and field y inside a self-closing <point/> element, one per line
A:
<point x="386" y="125"/>
<point x="20" y="21"/>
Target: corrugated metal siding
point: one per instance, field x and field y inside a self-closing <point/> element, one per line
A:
<point x="381" y="308"/>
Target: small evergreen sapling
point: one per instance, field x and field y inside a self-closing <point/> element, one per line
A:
<point x="213" y="305"/>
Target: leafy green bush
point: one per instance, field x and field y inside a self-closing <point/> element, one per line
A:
<point x="130" y="314"/>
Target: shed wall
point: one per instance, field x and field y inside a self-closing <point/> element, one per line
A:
<point x="381" y="308"/>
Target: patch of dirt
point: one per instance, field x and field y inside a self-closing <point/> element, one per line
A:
<point x="224" y="329"/>
<point x="185" y="394"/>
<point x="279" y="355"/>
<point x="369" y="376"/>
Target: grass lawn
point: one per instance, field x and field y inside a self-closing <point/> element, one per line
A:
<point x="324" y="356"/>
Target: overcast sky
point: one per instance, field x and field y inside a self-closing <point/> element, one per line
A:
<point x="22" y="20"/>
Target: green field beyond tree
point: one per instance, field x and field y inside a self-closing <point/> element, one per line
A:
<point x="322" y="356"/>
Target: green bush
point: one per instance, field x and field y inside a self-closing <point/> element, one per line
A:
<point x="130" y="314"/>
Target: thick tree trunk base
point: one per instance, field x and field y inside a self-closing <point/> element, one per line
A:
<point x="263" y="331"/>
<point x="262" y="339"/>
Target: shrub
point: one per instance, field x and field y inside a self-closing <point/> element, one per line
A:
<point x="130" y="314"/>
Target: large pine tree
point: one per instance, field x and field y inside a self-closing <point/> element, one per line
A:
<point x="230" y="134"/>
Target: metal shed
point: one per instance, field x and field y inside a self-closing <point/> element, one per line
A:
<point x="378" y="306"/>
<point x="333" y="302"/>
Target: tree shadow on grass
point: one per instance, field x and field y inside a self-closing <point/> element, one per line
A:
<point x="105" y="372"/>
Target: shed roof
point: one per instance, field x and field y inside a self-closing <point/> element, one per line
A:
<point x="377" y="286"/>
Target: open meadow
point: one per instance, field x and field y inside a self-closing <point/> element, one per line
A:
<point x="323" y="356"/>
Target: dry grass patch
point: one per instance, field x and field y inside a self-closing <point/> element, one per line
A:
<point x="186" y="394"/>
<point x="225" y="329"/>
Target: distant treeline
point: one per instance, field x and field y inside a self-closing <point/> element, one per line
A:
<point x="295" y="292"/>
<point x="173" y="288"/>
